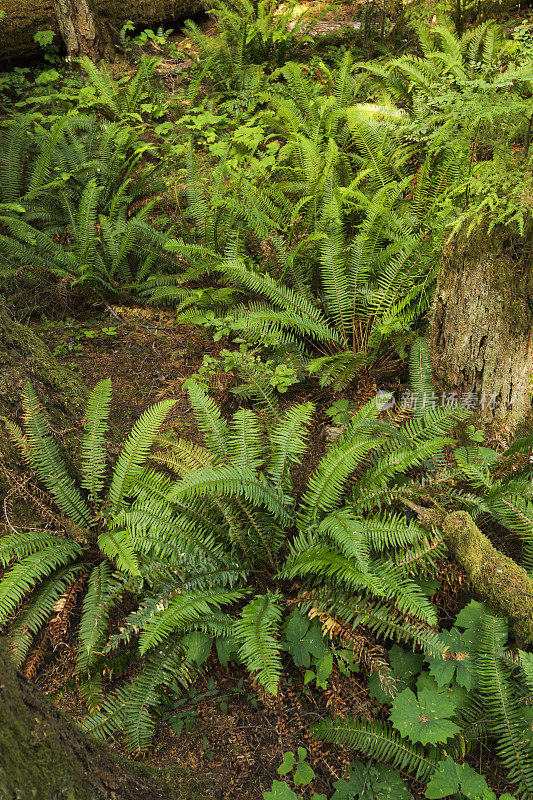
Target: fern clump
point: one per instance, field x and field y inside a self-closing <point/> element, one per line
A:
<point x="226" y="535"/>
<point x="85" y="180"/>
<point x="81" y="546"/>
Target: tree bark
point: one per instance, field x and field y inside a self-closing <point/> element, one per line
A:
<point x="23" y="18"/>
<point x="25" y="357"/>
<point x="83" y="32"/>
<point x="482" y="326"/>
<point x="44" y="755"/>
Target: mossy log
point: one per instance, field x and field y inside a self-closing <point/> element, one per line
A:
<point x="44" y="755"/>
<point x="496" y="579"/>
<point x="25" y="357"/>
<point x="23" y="18"/>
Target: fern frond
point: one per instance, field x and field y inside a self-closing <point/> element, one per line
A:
<point x="288" y="441"/>
<point x="93" y="451"/>
<point x="257" y="631"/>
<point x="183" y="611"/>
<point x="135" y="451"/>
<point x="210" y="420"/>
<point x="101" y="583"/>
<point x="47" y="462"/>
<point x="24" y="576"/>
<point x="379" y="741"/>
<point x="509" y="726"/>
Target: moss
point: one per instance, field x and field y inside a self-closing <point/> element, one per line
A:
<point x="24" y="357"/>
<point x="33" y="759"/>
<point x="188" y="787"/>
<point x="45" y="755"/>
<point x="497" y="579"/>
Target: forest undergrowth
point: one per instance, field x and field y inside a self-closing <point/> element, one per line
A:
<point x="244" y="571"/>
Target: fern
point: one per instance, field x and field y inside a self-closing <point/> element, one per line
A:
<point x="93" y="465"/>
<point x="259" y="648"/>
<point x="376" y="740"/>
<point x="508" y="725"/>
<point x="45" y="568"/>
<point x="135" y="451"/>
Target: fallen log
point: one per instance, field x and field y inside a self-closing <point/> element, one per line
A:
<point x="497" y="580"/>
<point x="23" y="18"/>
<point x="45" y="756"/>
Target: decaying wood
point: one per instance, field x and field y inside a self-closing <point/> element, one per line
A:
<point x="23" y="18"/>
<point x="496" y="579"/>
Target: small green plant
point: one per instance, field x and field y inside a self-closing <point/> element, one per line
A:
<point x="45" y="40"/>
<point x="303" y="774"/>
<point x="341" y="411"/>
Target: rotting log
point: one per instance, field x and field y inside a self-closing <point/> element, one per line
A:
<point x="45" y="755"/>
<point x="23" y="18"/>
<point x="497" y="580"/>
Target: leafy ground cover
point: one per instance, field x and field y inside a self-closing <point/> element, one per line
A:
<point x="248" y="570"/>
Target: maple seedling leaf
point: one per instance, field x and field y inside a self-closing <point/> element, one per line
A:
<point x="458" y="660"/>
<point x="449" y="777"/>
<point x="424" y="718"/>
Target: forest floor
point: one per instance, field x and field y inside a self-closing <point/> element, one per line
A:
<point x="226" y="729"/>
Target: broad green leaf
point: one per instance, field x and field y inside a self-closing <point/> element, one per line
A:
<point x="347" y="789"/>
<point x="456" y="694"/>
<point x="406" y="664"/>
<point x="424" y="719"/>
<point x="470" y="616"/>
<point x="405" y="667"/>
<point x="458" y="663"/>
<point x="287" y="764"/>
<point x="303" y="774"/>
<point x="280" y="791"/>
<point x="386" y="784"/>
<point x="198" y="646"/>
<point x="227" y="649"/>
<point x="471" y="782"/>
<point x="304" y="639"/>
<point x="323" y="670"/>
<point x="444" y="781"/>
<point x="450" y="777"/>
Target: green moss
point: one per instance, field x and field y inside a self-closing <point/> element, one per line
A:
<point x="43" y="755"/>
<point x="33" y="759"/>
<point x="187" y="787"/>
<point x="497" y="579"/>
<point x="24" y="357"/>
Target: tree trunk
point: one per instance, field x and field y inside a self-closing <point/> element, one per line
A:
<point x="25" y="357"/>
<point x="482" y="326"/>
<point x="82" y="30"/>
<point x="44" y="755"/>
<point x="23" y="18"/>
